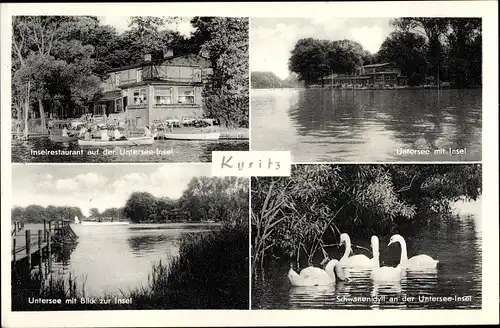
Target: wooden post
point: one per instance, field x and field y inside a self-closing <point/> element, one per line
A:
<point x="28" y="247"/>
<point x="14" y="250"/>
<point x="49" y="249"/>
<point x="40" y="251"/>
<point x="44" y="227"/>
<point x="40" y="241"/>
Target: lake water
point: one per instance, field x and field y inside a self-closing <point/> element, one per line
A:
<point x="176" y="151"/>
<point x="110" y="259"/>
<point x="319" y="125"/>
<point x="456" y="244"/>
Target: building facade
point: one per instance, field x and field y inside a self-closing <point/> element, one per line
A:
<point x="155" y="90"/>
<point x="375" y="75"/>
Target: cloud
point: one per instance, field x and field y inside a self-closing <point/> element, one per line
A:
<point x="272" y="39"/>
<point x="100" y="187"/>
<point x="66" y="185"/>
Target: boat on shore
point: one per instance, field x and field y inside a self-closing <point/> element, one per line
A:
<point x="104" y="223"/>
<point x="191" y="136"/>
<point x="60" y="138"/>
<point x="133" y="141"/>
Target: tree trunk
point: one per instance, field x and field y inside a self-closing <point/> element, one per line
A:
<point x="26" y="110"/>
<point x="42" y="114"/>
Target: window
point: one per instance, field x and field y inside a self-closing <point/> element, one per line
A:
<point x="118" y="105"/>
<point x="186" y="95"/>
<point x="138" y="75"/>
<point x="140" y="96"/>
<point x="117" y="78"/>
<point x="163" y="95"/>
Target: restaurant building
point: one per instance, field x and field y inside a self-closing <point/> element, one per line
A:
<point x="167" y="87"/>
<point x="375" y="75"/>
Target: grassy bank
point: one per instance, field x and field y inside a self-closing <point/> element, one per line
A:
<point x="211" y="272"/>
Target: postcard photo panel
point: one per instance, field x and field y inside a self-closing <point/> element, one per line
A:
<point x="368" y="89"/>
<point x="128" y="237"/>
<point x="128" y="88"/>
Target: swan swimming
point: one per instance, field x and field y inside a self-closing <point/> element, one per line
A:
<point x="417" y="261"/>
<point x="383" y="273"/>
<point x="358" y="261"/>
<point x="313" y="276"/>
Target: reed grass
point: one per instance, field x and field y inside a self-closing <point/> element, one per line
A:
<point x="210" y="272"/>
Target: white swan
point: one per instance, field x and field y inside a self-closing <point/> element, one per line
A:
<point x="313" y="276"/>
<point x="416" y="262"/>
<point x="382" y="274"/>
<point x="358" y="261"/>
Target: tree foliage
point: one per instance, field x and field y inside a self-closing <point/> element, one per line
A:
<point x="225" y="41"/>
<point x="313" y="59"/>
<point x="446" y="49"/>
<point x="37" y="213"/>
<point x="300" y="214"/>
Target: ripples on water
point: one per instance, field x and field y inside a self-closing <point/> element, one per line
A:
<point x="169" y="151"/>
<point x="111" y="259"/>
<point x="366" y="125"/>
<point x="456" y="245"/>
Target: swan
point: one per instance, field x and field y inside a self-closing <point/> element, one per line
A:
<point x="359" y="261"/>
<point x="417" y="261"/>
<point x="383" y="273"/>
<point x="313" y="276"/>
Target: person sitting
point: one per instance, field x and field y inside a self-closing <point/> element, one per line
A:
<point x="104" y="134"/>
<point x="81" y="134"/>
<point x="88" y="136"/>
<point x="65" y="132"/>
<point x="116" y="134"/>
<point x="147" y="133"/>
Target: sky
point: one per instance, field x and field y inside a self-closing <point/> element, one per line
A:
<point x="100" y="186"/>
<point x="182" y="25"/>
<point x="272" y="39"/>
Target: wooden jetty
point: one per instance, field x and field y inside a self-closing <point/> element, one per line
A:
<point x="40" y="242"/>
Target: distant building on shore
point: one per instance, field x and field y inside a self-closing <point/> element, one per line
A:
<point x="158" y="89"/>
<point x="376" y="75"/>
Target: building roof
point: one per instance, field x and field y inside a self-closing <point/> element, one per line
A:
<point x="153" y="61"/>
<point x="111" y="95"/>
<point x="377" y="65"/>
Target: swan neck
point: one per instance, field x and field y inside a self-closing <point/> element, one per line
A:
<point x="347" y="250"/>
<point x="376" y="254"/>
<point x="404" y="254"/>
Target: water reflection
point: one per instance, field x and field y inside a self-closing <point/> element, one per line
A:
<point x="454" y="284"/>
<point x="350" y="125"/>
<point x="111" y="259"/>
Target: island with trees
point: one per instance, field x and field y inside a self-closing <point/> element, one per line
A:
<point x="427" y="50"/>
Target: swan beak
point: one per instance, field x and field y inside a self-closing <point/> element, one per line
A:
<point x="390" y="243"/>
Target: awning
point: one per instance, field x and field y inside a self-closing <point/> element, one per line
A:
<point x="110" y="96"/>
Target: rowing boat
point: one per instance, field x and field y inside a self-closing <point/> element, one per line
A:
<point x="59" y="138"/>
<point x="192" y="136"/>
<point x="135" y="141"/>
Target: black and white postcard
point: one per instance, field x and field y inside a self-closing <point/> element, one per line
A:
<point x="368" y="89"/>
<point x="130" y="237"/>
<point x="128" y="88"/>
<point x="249" y="163"/>
<point x="368" y="237"/>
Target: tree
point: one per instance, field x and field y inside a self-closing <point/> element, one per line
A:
<point x="217" y="199"/>
<point x="309" y="60"/>
<point x="465" y="51"/>
<point x="225" y="41"/>
<point x="433" y="29"/>
<point x="409" y="51"/>
<point x="34" y="35"/>
<point x="300" y="215"/>
<point x="140" y="206"/>
<point x="94" y="213"/>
